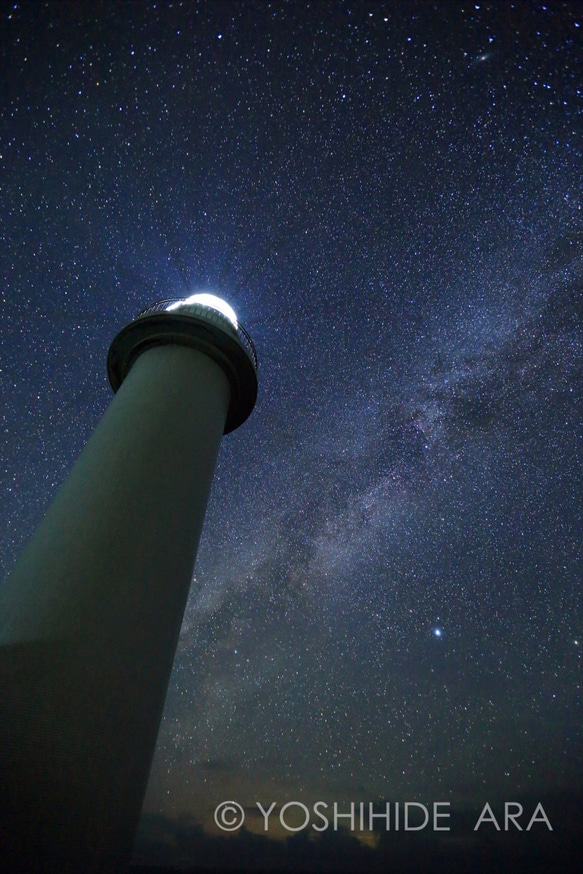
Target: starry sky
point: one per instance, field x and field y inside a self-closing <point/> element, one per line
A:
<point x="387" y="597"/>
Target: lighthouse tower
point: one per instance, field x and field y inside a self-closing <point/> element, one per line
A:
<point x="90" y="616"/>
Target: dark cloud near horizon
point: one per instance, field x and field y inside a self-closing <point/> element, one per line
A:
<point x="162" y="841"/>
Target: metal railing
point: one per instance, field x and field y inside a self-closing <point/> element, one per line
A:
<point x="161" y="306"/>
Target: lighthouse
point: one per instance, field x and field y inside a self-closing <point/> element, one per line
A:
<point x="90" y="616"/>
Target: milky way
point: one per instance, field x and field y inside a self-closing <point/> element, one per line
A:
<point x="389" y="197"/>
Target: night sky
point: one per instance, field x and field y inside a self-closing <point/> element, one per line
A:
<point x="387" y="596"/>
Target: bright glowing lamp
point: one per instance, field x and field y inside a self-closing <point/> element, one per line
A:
<point x="207" y="300"/>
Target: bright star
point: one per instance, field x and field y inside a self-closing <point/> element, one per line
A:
<point x="437" y="632"/>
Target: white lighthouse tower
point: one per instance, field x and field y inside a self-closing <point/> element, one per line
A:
<point x="90" y="616"/>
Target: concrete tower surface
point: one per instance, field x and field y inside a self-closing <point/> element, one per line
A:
<point x="90" y="616"/>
